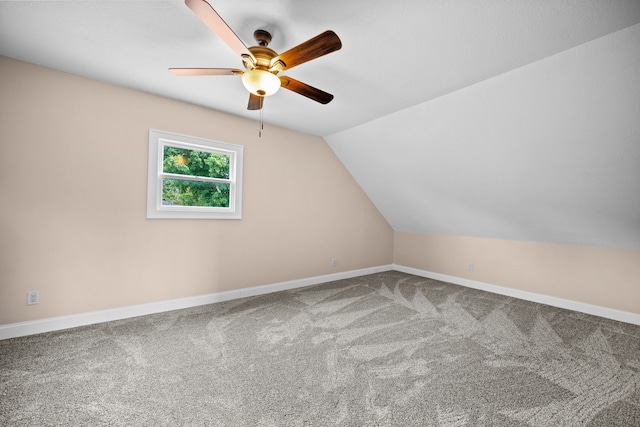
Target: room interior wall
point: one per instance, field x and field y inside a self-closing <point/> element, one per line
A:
<point x="531" y="175"/>
<point x="601" y="276"/>
<point x="73" y="185"/>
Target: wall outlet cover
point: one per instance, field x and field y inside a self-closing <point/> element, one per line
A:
<point x="33" y="297"/>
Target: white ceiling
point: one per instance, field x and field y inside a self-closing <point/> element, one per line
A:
<point x="514" y="119"/>
<point x="548" y="152"/>
<point x="395" y="53"/>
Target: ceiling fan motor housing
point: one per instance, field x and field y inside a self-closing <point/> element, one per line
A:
<point x="263" y="56"/>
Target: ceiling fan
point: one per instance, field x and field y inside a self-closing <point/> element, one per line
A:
<point x="261" y="63"/>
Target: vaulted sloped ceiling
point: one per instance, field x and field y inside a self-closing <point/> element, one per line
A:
<point x="511" y="119"/>
<point x="548" y="152"/>
<point x="395" y="54"/>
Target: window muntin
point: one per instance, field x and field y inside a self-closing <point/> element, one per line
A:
<point x="193" y="178"/>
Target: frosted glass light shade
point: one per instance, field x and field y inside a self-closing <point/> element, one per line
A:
<point x="261" y="82"/>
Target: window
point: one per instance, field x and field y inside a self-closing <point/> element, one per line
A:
<point x="191" y="177"/>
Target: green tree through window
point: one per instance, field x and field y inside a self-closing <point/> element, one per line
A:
<point x="193" y="164"/>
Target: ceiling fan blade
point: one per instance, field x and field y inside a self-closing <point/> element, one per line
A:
<point x="205" y="71"/>
<point x="255" y="102"/>
<point x="305" y="90"/>
<point x="207" y="14"/>
<point x="316" y="47"/>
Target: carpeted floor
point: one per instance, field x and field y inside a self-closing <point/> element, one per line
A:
<point x="387" y="349"/>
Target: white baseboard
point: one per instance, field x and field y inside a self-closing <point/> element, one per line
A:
<point x="64" y="322"/>
<point x="609" y="313"/>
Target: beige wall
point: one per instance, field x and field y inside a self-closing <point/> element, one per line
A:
<point x="73" y="197"/>
<point x="600" y="276"/>
<point x="73" y="155"/>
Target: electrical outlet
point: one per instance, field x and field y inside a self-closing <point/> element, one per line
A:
<point x="33" y="297"/>
<point x="334" y="262"/>
<point x="470" y="266"/>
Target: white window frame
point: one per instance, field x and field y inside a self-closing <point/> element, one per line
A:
<point x="155" y="209"/>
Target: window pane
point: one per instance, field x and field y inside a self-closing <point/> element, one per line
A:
<point x="179" y="192"/>
<point x="196" y="163"/>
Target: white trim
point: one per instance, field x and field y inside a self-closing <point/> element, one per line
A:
<point x="64" y="322"/>
<point x="609" y="313"/>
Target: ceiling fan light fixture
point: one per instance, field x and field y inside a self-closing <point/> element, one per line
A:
<point x="261" y="82"/>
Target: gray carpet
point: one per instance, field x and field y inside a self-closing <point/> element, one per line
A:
<point x="387" y="349"/>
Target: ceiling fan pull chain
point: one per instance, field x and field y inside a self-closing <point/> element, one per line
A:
<point x="261" y="122"/>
